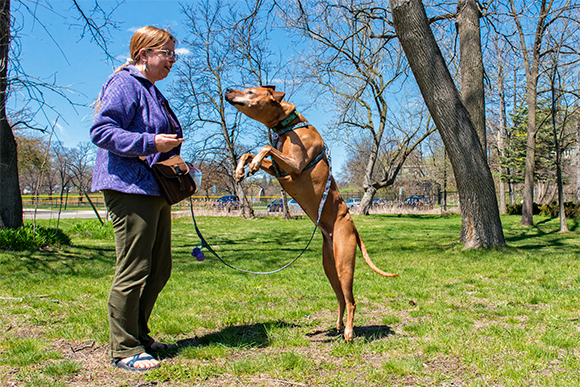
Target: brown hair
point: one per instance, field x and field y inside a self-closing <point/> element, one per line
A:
<point x="147" y="37"/>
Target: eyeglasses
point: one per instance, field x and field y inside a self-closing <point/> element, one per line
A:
<point x="168" y="54"/>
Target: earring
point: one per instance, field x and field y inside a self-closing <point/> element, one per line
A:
<point x="145" y="67"/>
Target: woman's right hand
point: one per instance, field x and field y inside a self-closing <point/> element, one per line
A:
<point x="166" y="142"/>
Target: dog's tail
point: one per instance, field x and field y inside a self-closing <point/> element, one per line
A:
<point x="365" y="254"/>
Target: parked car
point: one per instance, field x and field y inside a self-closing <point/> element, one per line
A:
<point x="353" y="203"/>
<point x="417" y="201"/>
<point x="275" y="206"/>
<point x="381" y="203"/>
<point x="293" y="206"/>
<point x="228" y="202"/>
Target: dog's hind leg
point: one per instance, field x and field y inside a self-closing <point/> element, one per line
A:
<point x="345" y="255"/>
<point x="338" y="259"/>
<point x="332" y="275"/>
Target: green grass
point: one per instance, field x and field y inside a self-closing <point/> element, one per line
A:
<point x="496" y="317"/>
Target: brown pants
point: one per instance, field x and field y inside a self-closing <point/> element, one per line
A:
<point x="142" y="225"/>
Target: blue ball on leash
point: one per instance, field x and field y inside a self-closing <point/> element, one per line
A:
<point x="198" y="254"/>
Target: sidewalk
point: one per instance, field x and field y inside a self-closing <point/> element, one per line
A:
<point x="68" y="214"/>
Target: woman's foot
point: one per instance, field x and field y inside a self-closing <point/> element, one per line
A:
<point x="140" y="362"/>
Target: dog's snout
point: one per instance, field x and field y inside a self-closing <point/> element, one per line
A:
<point x="229" y="94"/>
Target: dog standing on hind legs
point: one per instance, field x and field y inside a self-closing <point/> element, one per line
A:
<point x="299" y="163"/>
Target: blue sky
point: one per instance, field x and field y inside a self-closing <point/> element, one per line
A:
<point x="81" y="65"/>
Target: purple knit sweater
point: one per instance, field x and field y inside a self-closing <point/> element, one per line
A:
<point x="129" y="116"/>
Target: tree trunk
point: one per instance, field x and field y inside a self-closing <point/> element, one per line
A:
<point x="502" y="184"/>
<point x="366" y="201"/>
<point x="479" y="211"/>
<point x="531" y="66"/>
<point x="471" y="63"/>
<point x="559" y="182"/>
<point x="10" y="199"/>
<point x="577" y="155"/>
<point x="528" y="204"/>
<point x="286" y="211"/>
<point x="370" y="191"/>
<point x="246" y="209"/>
<point x="501" y="131"/>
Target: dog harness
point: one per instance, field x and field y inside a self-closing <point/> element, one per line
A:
<point x="281" y="129"/>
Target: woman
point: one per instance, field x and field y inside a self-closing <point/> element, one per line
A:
<point x="134" y="125"/>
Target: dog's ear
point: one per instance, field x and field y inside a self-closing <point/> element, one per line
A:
<point x="278" y="96"/>
<point x="269" y="87"/>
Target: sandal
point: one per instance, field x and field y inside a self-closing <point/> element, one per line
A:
<point x="130" y="365"/>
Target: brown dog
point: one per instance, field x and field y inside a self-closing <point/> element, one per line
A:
<point x="305" y="180"/>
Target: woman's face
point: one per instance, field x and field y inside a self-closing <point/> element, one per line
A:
<point x="159" y="61"/>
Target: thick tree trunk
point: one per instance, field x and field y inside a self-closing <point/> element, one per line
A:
<point x="10" y="199"/>
<point x="471" y="63"/>
<point x="480" y="214"/>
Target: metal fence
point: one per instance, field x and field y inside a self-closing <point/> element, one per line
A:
<point x="73" y="201"/>
<point x="97" y="200"/>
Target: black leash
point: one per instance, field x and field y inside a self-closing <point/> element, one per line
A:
<point x="200" y="256"/>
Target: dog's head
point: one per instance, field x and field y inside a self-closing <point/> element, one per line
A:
<point x="263" y="104"/>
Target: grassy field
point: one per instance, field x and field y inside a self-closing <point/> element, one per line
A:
<point x="498" y="317"/>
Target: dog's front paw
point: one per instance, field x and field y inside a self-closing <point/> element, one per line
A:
<point x="254" y="167"/>
<point x="240" y="174"/>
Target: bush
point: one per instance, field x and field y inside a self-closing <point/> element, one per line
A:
<point x="26" y="237"/>
<point x="553" y="210"/>
<point x="516" y="209"/>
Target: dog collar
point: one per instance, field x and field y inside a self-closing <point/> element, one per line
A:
<point x="282" y="124"/>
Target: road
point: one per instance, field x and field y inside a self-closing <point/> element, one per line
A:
<point x="68" y="214"/>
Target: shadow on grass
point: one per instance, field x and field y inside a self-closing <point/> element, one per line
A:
<point x="369" y="333"/>
<point x="70" y="260"/>
<point x="259" y="251"/>
<point x="256" y="336"/>
<point x="539" y="232"/>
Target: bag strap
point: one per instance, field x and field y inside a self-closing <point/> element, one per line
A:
<point x="171" y="123"/>
<point x="169" y="116"/>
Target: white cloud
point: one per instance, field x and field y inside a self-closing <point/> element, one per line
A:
<point x="183" y="51"/>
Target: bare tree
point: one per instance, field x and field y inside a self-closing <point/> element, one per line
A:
<point x="498" y="122"/>
<point x="481" y="224"/>
<point x="10" y="199"/>
<point x="81" y="165"/>
<point x="63" y="158"/>
<point x="359" y="73"/>
<point x="563" y="100"/>
<point x="95" y="23"/>
<point x="545" y="13"/>
<point x="31" y="161"/>
<point x="228" y="46"/>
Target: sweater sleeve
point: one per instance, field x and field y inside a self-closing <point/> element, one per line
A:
<point x="119" y="126"/>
